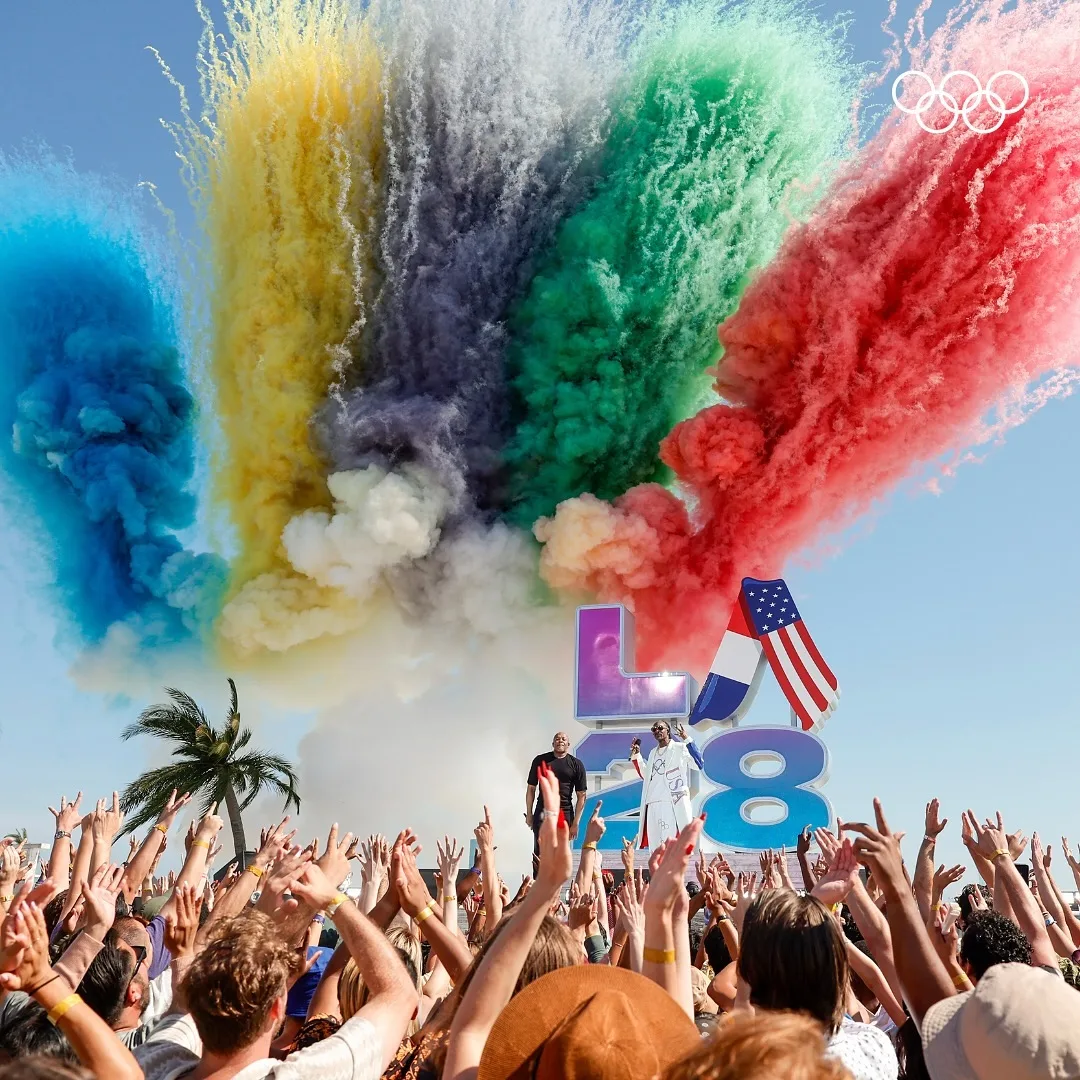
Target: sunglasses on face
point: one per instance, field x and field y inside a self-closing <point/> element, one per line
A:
<point x="140" y="959"/>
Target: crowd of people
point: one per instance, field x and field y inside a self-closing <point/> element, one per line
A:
<point x="858" y="971"/>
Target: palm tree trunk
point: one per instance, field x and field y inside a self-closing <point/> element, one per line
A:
<point x="237" y="823"/>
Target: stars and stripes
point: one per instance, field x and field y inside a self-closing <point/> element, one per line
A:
<point x="808" y="684"/>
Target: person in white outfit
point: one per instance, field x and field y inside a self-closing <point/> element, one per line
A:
<point x="665" y="793"/>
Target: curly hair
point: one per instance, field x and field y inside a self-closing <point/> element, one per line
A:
<point x="761" y="1047"/>
<point x="232" y="985"/>
<point x="990" y="938"/>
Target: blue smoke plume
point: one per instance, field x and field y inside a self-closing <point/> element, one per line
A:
<point x="96" y="424"/>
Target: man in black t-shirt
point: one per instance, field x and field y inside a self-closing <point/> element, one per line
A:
<point x="570" y="772"/>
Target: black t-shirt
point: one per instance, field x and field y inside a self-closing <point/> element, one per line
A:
<point x="568" y="770"/>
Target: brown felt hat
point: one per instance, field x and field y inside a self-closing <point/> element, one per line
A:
<point x="588" y="1021"/>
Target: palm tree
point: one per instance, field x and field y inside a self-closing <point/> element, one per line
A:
<point x="212" y="764"/>
<point x="18" y="835"/>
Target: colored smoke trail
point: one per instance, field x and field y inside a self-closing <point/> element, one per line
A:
<point x="734" y="115"/>
<point x="495" y="114"/>
<point x="284" y="173"/>
<point x="940" y="276"/>
<point x="97" y="420"/>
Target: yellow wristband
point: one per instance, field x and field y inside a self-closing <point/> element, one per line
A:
<point x="425" y="914"/>
<point x="658" y="956"/>
<point x="449" y="899"/>
<point x="589" y="846"/>
<point x="161" y="829"/>
<point x="256" y="870"/>
<point x="1000" y="851"/>
<point x="334" y="904"/>
<point x="63" y="1007"/>
<point x="6" y="899"/>
<point x="961" y="982"/>
<point x="200" y="843"/>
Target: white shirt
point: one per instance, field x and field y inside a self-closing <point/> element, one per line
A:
<point x="864" y="1050"/>
<point x="353" y="1053"/>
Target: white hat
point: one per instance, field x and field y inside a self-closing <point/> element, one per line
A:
<point x="1019" y="1023"/>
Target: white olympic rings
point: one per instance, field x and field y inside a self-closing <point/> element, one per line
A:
<point x="971" y="102"/>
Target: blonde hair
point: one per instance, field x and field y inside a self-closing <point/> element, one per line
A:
<point x="353" y="994"/>
<point x="762" y="1046"/>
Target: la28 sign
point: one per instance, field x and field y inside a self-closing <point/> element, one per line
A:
<point x="619" y="703"/>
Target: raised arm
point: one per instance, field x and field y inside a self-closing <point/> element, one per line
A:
<point x="923" y="882"/>
<point x="67" y="818"/>
<point x="922" y="974"/>
<point x="136" y="870"/>
<point x="594" y="833"/>
<point x="493" y="983"/>
<point x="993" y="844"/>
<point x="392" y="995"/>
<point x="485" y="842"/>
<point x="81" y="870"/>
<point x="447" y="944"/>
<point x="802" y="853"/>
<point x="1054" y="917"/>
<point x="25" y="966"/>
<point x="667" y="943"/>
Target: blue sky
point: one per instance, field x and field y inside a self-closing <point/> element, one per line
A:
<point x="948" y="617"/>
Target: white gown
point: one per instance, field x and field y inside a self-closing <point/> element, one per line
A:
<point x="665" y="794"/>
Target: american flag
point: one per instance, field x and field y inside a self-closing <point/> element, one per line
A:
<point x="803" y="675"/>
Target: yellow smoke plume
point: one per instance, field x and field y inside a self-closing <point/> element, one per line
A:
<point x="284" y="169"/>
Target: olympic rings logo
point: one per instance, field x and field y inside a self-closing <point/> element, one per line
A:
<point x="951" y="104"/>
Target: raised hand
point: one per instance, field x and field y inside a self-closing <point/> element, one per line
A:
<point x="1074" y="864"/>
<point x="273" y="843"/>
<point x="635" y="746"/>
<point x="484" y="832"/>
<point x="113" y="818"/>
<point x="991" y="839"/>
<point x="1016" y="843"/>
<point x="1039" y="854"/>
<point x="596" y="826"/>
<point x="9" y="869"/>
<point x="879" y="849"/>
<point x="629" y="907"/>
<point x="933" y="824"/>
<point x="67" y="817"/>
<point x="334" y="862"/>
<point x="582" y="912"/>
<point x="841" y="878"/>
<point x="171" y="809"/>
<point x="182" y="922"/>
<point x="556" y="861"/>
<point x="99" y="896"/>
<point x="978" y="901"/>
<point x="943" y="878"/>
<point x="666" y="887"/>
<point x="627" y="854"/>
<point x="828" y="844"/>
<point x="209" y="827"/>
<point x="680" y="732"/>
<point x="24" y="948"/>
<point x="411" y="890"/>
<point x="313" y="888"/>
<point x="449" y="857"/>
<point x="802" y="845"/>
<point x="946" y="942"/>
<point x="278" y="879"/>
